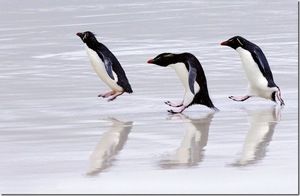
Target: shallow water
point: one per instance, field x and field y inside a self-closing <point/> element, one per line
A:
<point x="57" y="136"/>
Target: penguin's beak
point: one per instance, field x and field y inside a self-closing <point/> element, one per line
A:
<point x="150" y="61"/>
<point x="224" y="43"/>
<point x="79" y="35"/>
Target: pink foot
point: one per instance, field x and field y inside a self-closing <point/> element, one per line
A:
<point x="179" y="111"/>
<point x="115" y="96"/>
<point x="278" y="95"/>
<point x="239" y="98"/>
<point x="174" y="104"/>
<point x="105" y="95"/>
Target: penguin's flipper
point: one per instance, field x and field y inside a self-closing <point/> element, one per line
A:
<point x="263" y="65"/>
<point x="107" y="62"/>
<point x="192" y="78"/>
<point x="108" y="67"/>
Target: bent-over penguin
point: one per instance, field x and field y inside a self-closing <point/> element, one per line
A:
<point x="191" y="74"/>
<point x="257" y="69"/>
<point x="106" y="66"/>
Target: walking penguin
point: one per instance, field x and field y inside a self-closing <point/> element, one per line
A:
<point x="191" y="74"/>
<point x="257" y="69"/>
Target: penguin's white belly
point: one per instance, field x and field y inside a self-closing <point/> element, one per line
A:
<point x="183" y="75"/>
<point x="99" y="68"/>
<point x="258" y="84"/>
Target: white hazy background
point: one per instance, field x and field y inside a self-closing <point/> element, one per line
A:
<point x="57" y="136"/>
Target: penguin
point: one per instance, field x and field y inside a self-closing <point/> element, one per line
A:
<point x="257" y="69"/>
<point x="191" y="74"/>
<point x="106" y="66"/>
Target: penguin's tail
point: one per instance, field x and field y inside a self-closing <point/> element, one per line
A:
<point x="215" y="109"/>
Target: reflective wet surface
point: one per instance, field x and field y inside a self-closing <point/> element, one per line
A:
<point x="57" y="136"/>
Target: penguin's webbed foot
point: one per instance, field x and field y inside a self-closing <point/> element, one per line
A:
<point x="278" y="94"/>
<point x="111" y="99"/>
<point x="105" y="95"/>
<point x="177" y="112"/>
<point x="173" y="112"/>
<point x="244" y="98"/>
<point x="115" y="96"/>
<point x="174" y="104"/>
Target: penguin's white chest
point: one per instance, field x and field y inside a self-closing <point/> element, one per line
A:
<point x="258" y="83"/>
<point x="183" y="75"/>
<point x="99" y="68"/>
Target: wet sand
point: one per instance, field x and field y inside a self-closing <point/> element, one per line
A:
<point x="57" y="136"/>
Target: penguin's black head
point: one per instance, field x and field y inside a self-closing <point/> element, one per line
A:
<point x="87" y="36"/>
<point x="235" y="42"/>
<point x="164" y="59"/>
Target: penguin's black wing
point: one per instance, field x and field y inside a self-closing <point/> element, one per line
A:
<point x="113" y="65"/>
<point x="192" y="78"/>
<point x="263" y="65"/>
<point x="116" y="67"/>
<point x="108" y="67"/>
<point x="107" y="63"/>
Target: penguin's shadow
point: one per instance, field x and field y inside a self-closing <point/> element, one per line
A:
<point x="191" y="150"/>
<point x="110" y="144"/>
<point x="260" y="133"/>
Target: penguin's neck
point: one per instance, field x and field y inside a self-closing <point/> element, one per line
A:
<point x="93" y="44"/>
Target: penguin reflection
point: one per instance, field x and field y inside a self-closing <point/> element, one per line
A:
<point x="191" y="149"/>
<point x="262" y="126"/>
<point x="110" y="144"/>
